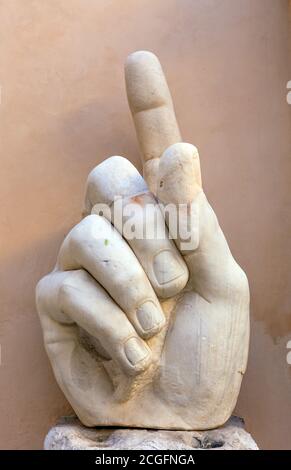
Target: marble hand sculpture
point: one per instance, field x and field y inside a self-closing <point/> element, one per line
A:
<point x="147" y="332"/>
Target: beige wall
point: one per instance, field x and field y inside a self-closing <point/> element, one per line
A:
<point x="63" y="109"/>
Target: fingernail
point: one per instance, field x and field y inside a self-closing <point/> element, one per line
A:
<point x="149" y="316"/>
<point x="167" y="267"/>
<point x="135" y="350"/>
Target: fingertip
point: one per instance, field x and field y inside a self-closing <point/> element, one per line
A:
<point x="141" y="56"/>
<point x="136" y="356"/>
<point x="150" y="319"/>
<point x="171" y="274"/>
<point x="181" y="151"/>
<point x="179" y="177"/>
<point x="145" y="82"/>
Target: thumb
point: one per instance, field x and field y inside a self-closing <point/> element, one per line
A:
<point x="213" y="271"/>
<point x="179" y="184"/>
<point x="179" y="175"/>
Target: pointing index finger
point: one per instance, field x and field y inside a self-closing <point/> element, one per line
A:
<point x="152" y="109"/>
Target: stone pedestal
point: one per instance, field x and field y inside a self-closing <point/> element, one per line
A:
<point x="70" y="434"/>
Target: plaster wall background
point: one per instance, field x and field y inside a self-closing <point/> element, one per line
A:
<point x="63" y="109"/>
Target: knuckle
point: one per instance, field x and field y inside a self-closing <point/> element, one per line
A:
<point x="41" y="288"/>
<point x="66" y="286"/>
<point x="64" y="292"/>
<point x="134" y="273"/>
<point x="84" y="231"/>
<point x="81" y="238"/>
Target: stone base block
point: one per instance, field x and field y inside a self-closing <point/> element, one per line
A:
<point x="70" y="434"/>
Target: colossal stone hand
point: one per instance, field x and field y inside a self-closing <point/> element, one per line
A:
<point x="147" y="332"/>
